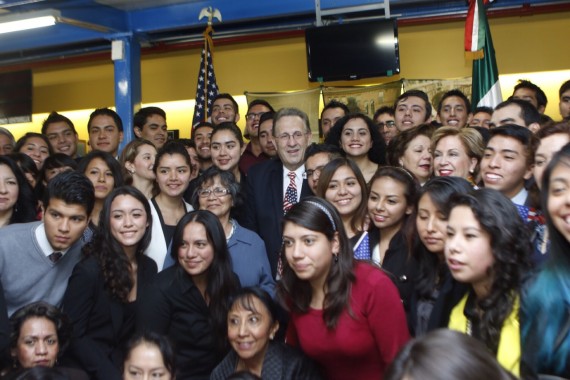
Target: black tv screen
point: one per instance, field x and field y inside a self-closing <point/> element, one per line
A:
<point x="16" y="97"/>
<point x="353" y="51"/>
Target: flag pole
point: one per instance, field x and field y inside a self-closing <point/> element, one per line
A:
<point x="206" y="88"/>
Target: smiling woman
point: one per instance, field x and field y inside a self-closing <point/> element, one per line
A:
<point x="189" y="301"/>
<point x="252" y="324"/>
<point x="341" y="183"/>
<point x="36" y="146"/>
<point x="172" y="171"/>
<point x="360" y="139"/>
<point x="102" y="290"/>
<point x="217" y="192"/>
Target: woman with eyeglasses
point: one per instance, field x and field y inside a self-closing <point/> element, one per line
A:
<point x="217" y="192"/>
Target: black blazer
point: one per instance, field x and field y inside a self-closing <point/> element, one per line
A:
<point x="264" y="205"/>
<point x="173" y="306"/>
<point x="281" y="362"/>
<point x="101" y="323"/>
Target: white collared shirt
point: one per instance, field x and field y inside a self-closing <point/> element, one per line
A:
<point x="43" y="241"/>
<point x="521" y="197"/>
<point x="298" y="180"/>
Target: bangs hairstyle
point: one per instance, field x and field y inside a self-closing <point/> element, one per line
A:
<point x="222" y="282"/>
<point x="296" y="294"/>
<point x="522" y="134"/>
<point x="545" y="307"/>
<point x="511" y="248"/>
<point x="377" y="152"/>
<point x="171" y="148"/>
<point x="245" y="296"/>
<point x="227" y="179"/>
<point x="357" y="219"/>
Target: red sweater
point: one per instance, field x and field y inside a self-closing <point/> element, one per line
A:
<point x="361" y="347"/>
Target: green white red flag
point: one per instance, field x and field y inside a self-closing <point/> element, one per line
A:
<point x="486" y="90"/>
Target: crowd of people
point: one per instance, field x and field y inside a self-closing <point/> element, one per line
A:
<point x="404" y="246"/>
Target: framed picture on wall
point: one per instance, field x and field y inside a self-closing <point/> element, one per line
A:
<point x="173" y="134"/>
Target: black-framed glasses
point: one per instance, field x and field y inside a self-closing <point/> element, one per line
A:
<point x="389" y="124"/>
<point x="311" y="173"/>
<point x="218" y="192"/>
<point x="253" y="115"/>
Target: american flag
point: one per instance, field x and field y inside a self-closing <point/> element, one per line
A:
<point x="207" y="89"/>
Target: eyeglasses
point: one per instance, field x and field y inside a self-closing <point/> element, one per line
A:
<point x="312" y="173"/>
<point x="253" y="115"/>
<point x="284" y="137"/>
<point x="389" y="124"/>
<point x="218" y="192"/>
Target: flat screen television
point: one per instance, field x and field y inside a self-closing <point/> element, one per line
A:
<point x="16" y="97"/>
<point x="353" y="51"/>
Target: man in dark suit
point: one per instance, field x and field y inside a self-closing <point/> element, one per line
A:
<point x="272" y="186"/>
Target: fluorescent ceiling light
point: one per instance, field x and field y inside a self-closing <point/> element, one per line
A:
<point x="29" y="20"/>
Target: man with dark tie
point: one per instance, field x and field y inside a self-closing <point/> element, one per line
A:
<point x="37" y="258"/>
<point x="273" y="186"/>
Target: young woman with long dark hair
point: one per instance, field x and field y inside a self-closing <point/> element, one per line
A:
<point x="103" y="289"/>
<point x="488" y="248"/>
<point x="545" y="305"/>
<point x="344" y="314"/>
<point x="189" y="301"/>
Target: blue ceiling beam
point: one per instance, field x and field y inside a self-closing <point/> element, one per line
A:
<point x="186" y="15"/>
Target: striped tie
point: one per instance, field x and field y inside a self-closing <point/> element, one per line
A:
<point x="290" y="194"/>
<point x="288" y="202"/>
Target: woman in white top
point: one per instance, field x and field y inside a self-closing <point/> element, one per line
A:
<point x="172" y="170"/>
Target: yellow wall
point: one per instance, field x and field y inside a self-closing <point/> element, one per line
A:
<point x="525" y="46"/>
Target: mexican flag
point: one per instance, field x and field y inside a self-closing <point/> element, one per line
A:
<point x="486" y="90"/>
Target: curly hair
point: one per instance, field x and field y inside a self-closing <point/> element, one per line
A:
<point x="377" y="153"/>
<point x="316" y="214"/>
<point x="115" y="265"/>
<point x="511" y="248"/>
<point x="402" y="140"/>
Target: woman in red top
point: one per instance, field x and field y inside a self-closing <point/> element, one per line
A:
<point x="345" y="315"/>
